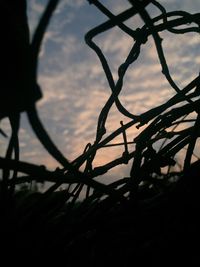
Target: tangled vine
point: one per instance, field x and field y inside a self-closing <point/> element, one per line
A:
<point x="161" y="122"/>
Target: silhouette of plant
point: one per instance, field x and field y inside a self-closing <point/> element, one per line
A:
<point x="148" y="177"/>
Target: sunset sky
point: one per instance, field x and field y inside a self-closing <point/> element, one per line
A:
<point x="74" y="85"/>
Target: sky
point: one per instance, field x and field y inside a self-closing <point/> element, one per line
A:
<point x="75" y="88"/>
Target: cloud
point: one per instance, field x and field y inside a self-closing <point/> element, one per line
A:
<point x="190" y="6"/>
<point x="73" y="4"/>
<point x="34" y="9"/>
<point x="117" y="6"/>
<point x="65" y="9"/>
<point x="75" y="88"/>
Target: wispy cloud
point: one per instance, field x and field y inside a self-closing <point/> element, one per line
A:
<point x="75" y="88"/>
<point x="74" y="4"/>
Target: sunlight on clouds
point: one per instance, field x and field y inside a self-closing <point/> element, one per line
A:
<point x="190" y="6"/>
<point x="70" y="46"/>
<point x="34" y="10"/>
<point x="116" y="43"/>
<point x="75" y="88"/>
<point x="74" y="3"/>
<point x="84" y="118"/>
<point x="5" y="126"/>
<point x="181" y="54"/>
<point x="117" y="6"/>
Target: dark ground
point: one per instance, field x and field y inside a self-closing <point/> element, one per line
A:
<point x="161" y="231"/>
